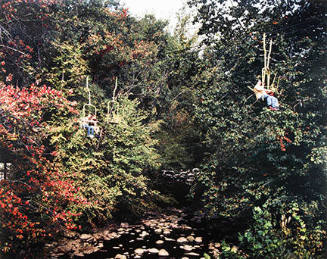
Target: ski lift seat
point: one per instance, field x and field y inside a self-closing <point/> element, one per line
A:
<point x="112" y="116"/>
<point x="91" y="124"/>
<point x="112" y="120"/>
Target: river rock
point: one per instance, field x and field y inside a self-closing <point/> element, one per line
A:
<point x="85" y="237"/>
<point x="158" y="231"/>
<point x="166" y="232"/>
<point x="181" y="240"/>
<point x="144" y="234"/>
<point x="190" y="239"/>
<point x="119" y="256"/>
<point x="174" y="226"/>
<point x="198" y="240"/>
<point x="186" y="227"/>
<point x="124" y="225"/>
<point x="163" y="252"/>
<point x="139" y="251"/>
<point x="159" y="242"/>
<point x="153" y="251"/>
<point x="187" y="248"/>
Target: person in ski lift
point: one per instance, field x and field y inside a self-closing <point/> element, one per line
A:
<point x="90" y="126"/>
<point x="266" y="94"/>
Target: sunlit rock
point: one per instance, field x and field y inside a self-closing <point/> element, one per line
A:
<point x="153" y="251"/>
<point x="139" y="251"/>
<point x="181" y="240"/>
<point x="163" y="252"/>
<point x="159" y="242"/>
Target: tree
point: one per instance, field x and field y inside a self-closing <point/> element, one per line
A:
<point x="111" y="170"/>
<point x="37" y="195"/>
<point x="256" y="157"/>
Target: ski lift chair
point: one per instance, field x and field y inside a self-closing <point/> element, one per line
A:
<point x="89" y="121"/>
<point x="112" y="116"/>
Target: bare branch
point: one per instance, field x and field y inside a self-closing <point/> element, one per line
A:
<point x="7" y="47"/>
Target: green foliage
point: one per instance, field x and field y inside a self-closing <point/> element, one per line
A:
<point x="254" y="155"/>
<point x="109" y="170"/>
<point x="284" y="237"/>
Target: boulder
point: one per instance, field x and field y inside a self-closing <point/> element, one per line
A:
<point x="188" y="248"/>
<point x="163" y="252"/>
<point x="166" y="231"/>
<point x="144" y="234"/>
<point x="190" y="239"/>
<point x="159" y="242"/>
<point x="181" y="240"/>
<point x="153" y="251"/>
<point x="139" y="251"/>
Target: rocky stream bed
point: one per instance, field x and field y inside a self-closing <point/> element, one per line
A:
<point x="174" y="234"/>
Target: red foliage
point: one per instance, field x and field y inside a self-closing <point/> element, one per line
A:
<point x="281" y="142"/>
<point x="34" y="200"/>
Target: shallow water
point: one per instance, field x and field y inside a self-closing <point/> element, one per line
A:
<point x="131" y="239"/>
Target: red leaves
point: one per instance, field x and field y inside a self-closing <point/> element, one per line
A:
<point x="281" y="142"/>
<point x="48" y="190"/>
<point x="54" y="153"/>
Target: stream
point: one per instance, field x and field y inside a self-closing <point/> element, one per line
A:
<point x="173" y="234"/>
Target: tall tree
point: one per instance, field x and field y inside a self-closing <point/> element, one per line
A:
<point x="257" y="157"/>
